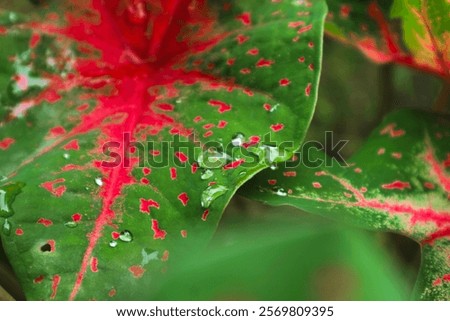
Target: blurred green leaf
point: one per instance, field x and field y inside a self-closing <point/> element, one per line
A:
<point x="284" y="260"/>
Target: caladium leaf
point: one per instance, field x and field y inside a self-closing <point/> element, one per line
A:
<point x="371" y="27"/>
<point x="399" y="182"/>
<point x="128" y="125"/>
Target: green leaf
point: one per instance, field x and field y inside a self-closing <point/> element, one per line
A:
<point x="287" y="260"/>
<point x="107" y="114"/>
<point x="366" y="25"/>
<point x="399" y="182"/>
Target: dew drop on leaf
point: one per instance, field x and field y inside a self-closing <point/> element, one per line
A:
<point x="112" y="244"/>
<point x="238" y="139"/>
<point x="206" y="174"/>
<point x="210" y="194"/>
<point x="98" y="181"/>
<point x="66" y="156"/>
<point x="6" y="229"/>
<point x="126" y="236"/>
<point x="274" y="108"/>
<point x="279" y="191"/>
<point x="8" y="194"/>
<point x="70" y="224"/>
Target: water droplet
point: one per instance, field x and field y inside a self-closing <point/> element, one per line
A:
<point x="8" y="194"/>
<point x="273" y="166"/>
<point x="126" y="236"/>
<point x="113" y="244"/>
<point x="238" y="139"/>
<point x="274" y="108"/>
<point x="98" y="181"/>
<point x="206" y="174"/>
<point x="6" y="228"/>
<point x="66" y="156"/>
<point x="3" y="178"/>
<point x="213" y="159"/>
<point x="279" y="191"/>
<point x="210" y="194"/>
<point x="70" y="224"/>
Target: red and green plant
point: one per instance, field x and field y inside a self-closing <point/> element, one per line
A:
<point x="164" y="79"/>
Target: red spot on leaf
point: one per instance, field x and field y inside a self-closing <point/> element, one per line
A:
<point x="157" y="232"/>
<point x="165" y="256"/>
<point x="284" y="82"/>
<point x="428" y="185"/>
<point x="55" y="283"/>
<point x="234" y="164"/>
<point x="245" y="18"/>
<point x="146" y="204"/>
<point x="112" y="293"/>
<point x="272" y="181"/>
<point x="267" y="107"/>
<point x="317" y="185"/>
<point x="253" y="51"/>
<point x="34" y="40"/>
<point x="301" y="59"/>
<point x="45" y="222"/>
<point x="290" y="174"/>
<point x="56" y="191"/>
<point x="166" y="107"/>
<point x="183" y="233"/>
<point x="73" y="144"/>
<point x="231" y="61"/>
<point x="146" y="171"/>
<point x="345" y="11"/>
<point x="277" y="127"/>
<point x="39" y="279"/>
<point x="391" y="131"/>
<point x="308" y="90"/>
<point x="296" y="24"/>
<point x="446" y="163"/>
<point x="194" y="168"/>
<point x="137" y="271"/>
<point x="381" y="151"/>
<point x="181" y="156"/>
<point x="94" y="264"/>
<point x="19" y="232"/>
<point x="77" y="217"/>
<point x="173" y="173"/>
<point x="222" y="124"/>
<point x="223" y="107"/>
<point x="57" y="131"/>
<point x="396" y="155"/>
<point x="305" y="29"/>
<point x="115" y="235"/>
<point x="6" y="143"/>
<point x="396" y="185"/>
<point x="184" y="199"/>
<point x="264" y="63"/>
<point x="205" y="215"/>
<point x="245" y="71"/>
<point x="242" y="38"/>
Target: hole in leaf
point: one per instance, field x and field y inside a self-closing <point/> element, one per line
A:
<point x="46" y="248"/>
